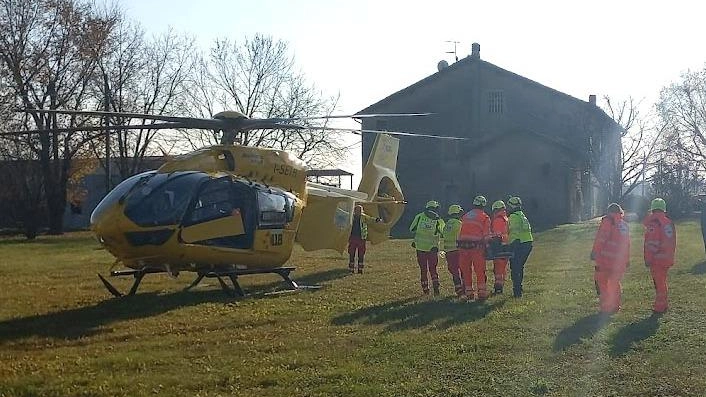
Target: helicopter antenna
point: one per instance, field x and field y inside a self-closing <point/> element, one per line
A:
<point x="454" y="51"/>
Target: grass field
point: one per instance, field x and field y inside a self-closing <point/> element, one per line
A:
<point x="61" y="333"/>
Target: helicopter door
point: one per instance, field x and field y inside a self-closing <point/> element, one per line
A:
<point x="219" y="216"/>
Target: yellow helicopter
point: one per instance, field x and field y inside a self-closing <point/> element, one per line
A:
<point x="229" y="210"/>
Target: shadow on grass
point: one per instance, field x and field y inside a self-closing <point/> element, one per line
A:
<point x="411" y="313"/>
<point x="633" y="333"/>
<point x="86" y="321"/>
<point x="585" y="327"/>
<point x="48" y="240"/>
<point x="699" y="268"/>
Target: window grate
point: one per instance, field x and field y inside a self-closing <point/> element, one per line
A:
<point x="495" y="102"/>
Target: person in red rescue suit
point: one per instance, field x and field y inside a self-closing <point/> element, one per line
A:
<point x="475" y="230"/>
<point x="452" y="228"/>
<point x="356" y="241"/>
<point x="659" y="249"/>
<point x="611" y="252"/>
<point x="428" y="228"/>
<point x="499" y="228"/>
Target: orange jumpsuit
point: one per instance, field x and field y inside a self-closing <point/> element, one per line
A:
<point x="611" y="251"/>
<point x="498" y="227"/>
<point x="475" y="229"/>
<point x="659" y="249"/>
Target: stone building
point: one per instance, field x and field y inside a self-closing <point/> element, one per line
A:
<point x="560" y="154"/>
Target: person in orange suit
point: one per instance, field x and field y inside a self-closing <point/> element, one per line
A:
<point x="660" y="247"/>
<point x="611" y="252"/>
<point x="475" y="229"/>
<point x="498" y="229"/>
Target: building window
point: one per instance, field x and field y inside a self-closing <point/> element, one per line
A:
<point x="495" y="102"/>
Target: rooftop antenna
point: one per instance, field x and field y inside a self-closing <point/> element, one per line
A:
<point x="454" y="51"/>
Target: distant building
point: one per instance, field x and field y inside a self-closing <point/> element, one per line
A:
<point x="331" y="177"/>
<point x="525" y="139"/>
<point x="77" y="214"/>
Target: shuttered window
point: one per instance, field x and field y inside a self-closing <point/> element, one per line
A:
<point x="495" y="102"/>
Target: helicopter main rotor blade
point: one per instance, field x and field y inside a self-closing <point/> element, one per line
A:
<point x="360" y="132"/>
<point x="267" y="124"/>
<point x="159" y="126"/>
<point x="348" y="116"/>
<point x="119" y="114"/>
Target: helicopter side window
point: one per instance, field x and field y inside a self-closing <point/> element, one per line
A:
<point x="220" y="198"/>
<point x="165" y="203"/>
<point x="276" y="209"/>
<point x="213" y="202"/>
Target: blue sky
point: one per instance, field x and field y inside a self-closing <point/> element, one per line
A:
<point x="366" y="50"/>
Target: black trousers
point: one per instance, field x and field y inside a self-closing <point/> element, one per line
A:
<point x="521" y="252"/>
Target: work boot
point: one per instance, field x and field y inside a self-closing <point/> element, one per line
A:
<point x="360" y="270"/>
<point x="351" y="267"/>
<point x="498" y="290"/>
<point x="436" y="290"/>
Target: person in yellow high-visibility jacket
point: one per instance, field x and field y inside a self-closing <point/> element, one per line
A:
<point x="356" y="241"/>
<point x="428" y="228"/>
<point x="452" y="228"/>
<point x="520" y="238"/>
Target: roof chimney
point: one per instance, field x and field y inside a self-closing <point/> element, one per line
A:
<point x="475" y="51"/>
<point x="592" y="100"/>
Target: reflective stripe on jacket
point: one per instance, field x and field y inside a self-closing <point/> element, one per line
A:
<point x="660" y="240"/>
<point x="612" y="244"/>
<point x="451" y="231"/>
<point x="427" y="231"/>
<point x="519" y="227"/>
<point x="363" y="222"/>
<point x="475" y="226"/>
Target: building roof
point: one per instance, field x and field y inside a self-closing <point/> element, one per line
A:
<point x="465" y="62"/>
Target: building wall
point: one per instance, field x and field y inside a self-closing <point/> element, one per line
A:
<point x="503" y="156"/>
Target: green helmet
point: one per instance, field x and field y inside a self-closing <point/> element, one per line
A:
<point x="658" y="204"/>
<point x="432" y="204"/>
<point x="514" y="201"/>
<point x="455" y="209"/>
<point x="480" y="201"/>
<point x="498" y="205"/>
<point x="614" y="208"/>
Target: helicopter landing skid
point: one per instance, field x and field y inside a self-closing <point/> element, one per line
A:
<point x="236" y="290"/>
<point x="221" y="275"/>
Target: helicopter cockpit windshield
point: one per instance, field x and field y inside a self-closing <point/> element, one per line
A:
<point x="119" y="193"/>
<point x="162" y="199"/>
<point x="209" y="210"/>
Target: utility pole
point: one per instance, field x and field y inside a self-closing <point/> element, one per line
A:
<point x="454" y="51"/>
<point x="107" y="134"/>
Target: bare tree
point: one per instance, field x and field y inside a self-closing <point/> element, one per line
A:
<point x="141" y="76"/>
<point x="639" y="139"/>
<point x="682" y="109"/>
<point x="50" y="50"/>
<point x="257" y="78"/>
